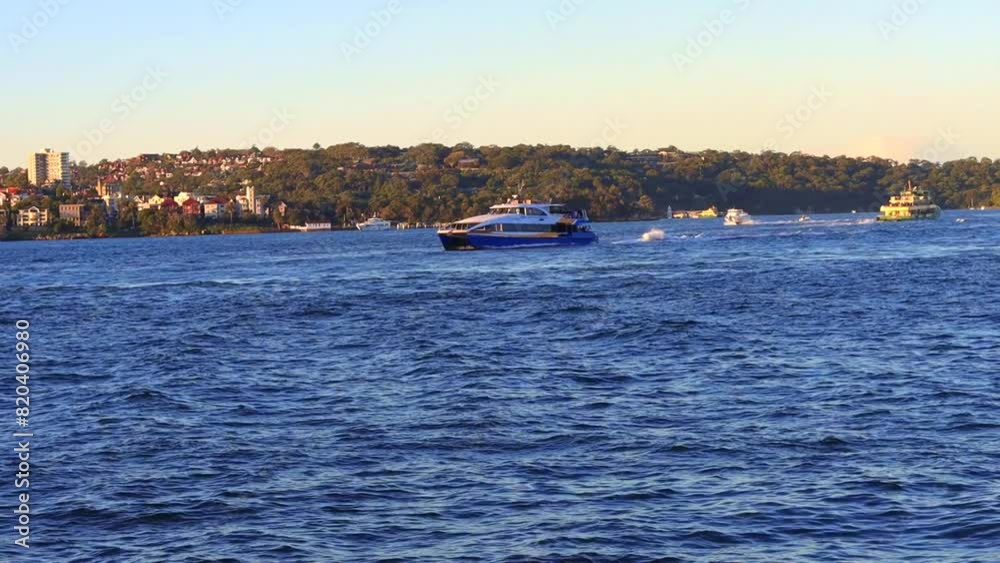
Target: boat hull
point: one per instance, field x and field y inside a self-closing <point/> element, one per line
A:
<point x="455" y="241"/>
<point x="496" y="242"/>
<point x="913" y="216"/>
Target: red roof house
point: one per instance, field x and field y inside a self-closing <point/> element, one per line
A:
<point x="192" y="207"/>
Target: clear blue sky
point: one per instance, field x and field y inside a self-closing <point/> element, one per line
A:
<point x="927" y="88"/>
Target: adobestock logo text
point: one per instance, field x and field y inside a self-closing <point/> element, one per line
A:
<point x="33" y="25"/>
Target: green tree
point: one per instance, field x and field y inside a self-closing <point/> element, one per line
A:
<point x="96" y="224"/>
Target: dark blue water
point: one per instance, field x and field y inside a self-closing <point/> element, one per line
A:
<point x="825" y="391"/>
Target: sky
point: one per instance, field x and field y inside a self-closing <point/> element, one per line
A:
<point x="898" y="79"/>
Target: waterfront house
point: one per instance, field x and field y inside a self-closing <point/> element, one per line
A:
<point x="215" y="208"/>
<point x="170" y="205"/>
<point x="32" y="217"/>
<point x="192" y="207"/>
<point x="250" y="203"/>
<point x="74" y="213"/>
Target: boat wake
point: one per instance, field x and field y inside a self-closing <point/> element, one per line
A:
<point x="820" y="222"/>
<point x="653" y="235"/>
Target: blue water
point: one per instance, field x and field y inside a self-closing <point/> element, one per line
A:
<point x="825" y="391"/>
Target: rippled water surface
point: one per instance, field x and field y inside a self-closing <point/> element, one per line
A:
<point x="821" y="391"/>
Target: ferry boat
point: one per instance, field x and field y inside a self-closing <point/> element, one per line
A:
<point x="374" y="223"/>
<point x="736" y="217"/>
<point x="519" y="224"/>
<point x="912" y="204"/>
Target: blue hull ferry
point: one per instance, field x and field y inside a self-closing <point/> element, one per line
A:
<point x="519" y="225"/>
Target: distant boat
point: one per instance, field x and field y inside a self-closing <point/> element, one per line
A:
<point x="516" y="224"/>
<point x="710" y="213"/>
<point x="374" y="223"/>
<point x="736" y="217"/>
<point x="803" y="218"/>
<point x="311" y="227"/>
<point x="910" y="205"/>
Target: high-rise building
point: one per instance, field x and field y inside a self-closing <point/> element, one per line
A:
<point x="49" y="167"/>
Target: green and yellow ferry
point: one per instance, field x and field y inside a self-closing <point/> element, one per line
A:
<point x="912" y="204"/>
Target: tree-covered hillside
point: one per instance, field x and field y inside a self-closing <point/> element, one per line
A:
<point x="431" y="183"/>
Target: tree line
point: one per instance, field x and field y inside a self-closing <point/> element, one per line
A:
<point x="434" y="183"/>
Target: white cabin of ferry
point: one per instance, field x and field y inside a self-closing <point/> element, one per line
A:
<point x="516" y="212"/>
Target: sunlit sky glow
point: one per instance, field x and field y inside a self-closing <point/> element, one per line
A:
<point x="605" y="73"/>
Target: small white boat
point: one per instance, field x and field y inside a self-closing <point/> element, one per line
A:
<point x="374" y="223"/>
<point x="736" y="217"/>
<point x="804" y="218"/>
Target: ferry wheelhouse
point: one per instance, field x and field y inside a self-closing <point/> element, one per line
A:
<point x="519" y="224"/>
<point x="912" y="204"/>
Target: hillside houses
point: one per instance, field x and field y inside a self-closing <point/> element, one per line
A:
<point x="10" y="196"/>
<point x="163" y="167"/>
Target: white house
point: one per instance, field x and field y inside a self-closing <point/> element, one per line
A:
<point x="32" y="217"/>
<point x="215" y="208"/>
<point x="250" y="203"/>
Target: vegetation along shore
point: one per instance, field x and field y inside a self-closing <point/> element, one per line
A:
<point x="262" y="190"/>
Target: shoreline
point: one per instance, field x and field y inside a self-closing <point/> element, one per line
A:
<point x="30" y="236"/>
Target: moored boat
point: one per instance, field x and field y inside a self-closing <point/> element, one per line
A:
<point x="374" y="223"/>
<point x="912" y="204"/>
<point x="312" y="227"/>
<point x="517" y="225"/>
